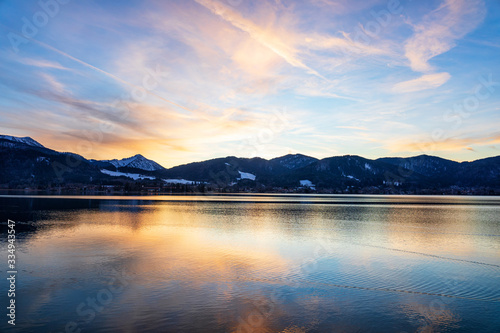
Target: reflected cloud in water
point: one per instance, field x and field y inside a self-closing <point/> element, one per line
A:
<point x="260" y="266"/>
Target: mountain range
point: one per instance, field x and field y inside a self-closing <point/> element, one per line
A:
<point x="26" y="163"/>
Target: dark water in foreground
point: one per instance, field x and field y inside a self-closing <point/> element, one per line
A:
<point x="254" y="264"/>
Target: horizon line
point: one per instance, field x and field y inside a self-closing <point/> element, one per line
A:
<point x="221" y="157"/>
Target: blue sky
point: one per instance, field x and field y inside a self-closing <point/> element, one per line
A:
<point x="182" y="81"/>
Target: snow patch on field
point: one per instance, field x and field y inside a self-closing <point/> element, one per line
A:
<point x="134" y="176"/>
<point x="178" y="181"/>
<point x="246" y="175"/>
<point x="307" y="183"/>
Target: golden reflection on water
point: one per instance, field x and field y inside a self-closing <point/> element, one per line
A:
<point x="255" y="267"/>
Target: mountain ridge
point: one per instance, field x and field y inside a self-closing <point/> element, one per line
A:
<point x="24" y="140"/>
<point x="135" y="162"/>
<point x="25" y="161"/>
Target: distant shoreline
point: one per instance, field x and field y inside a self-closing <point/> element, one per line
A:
<point x="42" y="193"/>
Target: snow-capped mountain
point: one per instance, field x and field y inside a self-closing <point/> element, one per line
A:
<point x="137" y="162"/>
<point x="26" y="140"/>
<point x="26" y="163"/>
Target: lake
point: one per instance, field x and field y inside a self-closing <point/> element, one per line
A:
<point x="253" y="263"/>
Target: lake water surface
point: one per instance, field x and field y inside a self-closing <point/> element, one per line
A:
<point x="254" y="263"/>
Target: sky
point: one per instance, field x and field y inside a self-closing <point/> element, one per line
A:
<point x="188" y="80"/>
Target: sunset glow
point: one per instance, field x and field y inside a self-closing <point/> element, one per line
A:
<point x="183" y="81"/>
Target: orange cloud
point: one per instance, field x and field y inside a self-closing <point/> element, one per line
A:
<point x="449" y="144"/>
<point x="424" y="82"/>
<point x="266" y="37"/>
<point x="342" y="45"/>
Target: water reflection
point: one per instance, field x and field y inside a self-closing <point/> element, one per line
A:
<point x="240" y="265"/>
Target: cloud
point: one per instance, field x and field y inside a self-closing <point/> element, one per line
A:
<point x="42" y="63"/>
<point x="108" y="74"/>
<point x="448" y="144"/>
<point x="424" y="82"/>
<point x="359" y="128"/>
<point x="344" y="46"/>
<point x="53" y="83"/>
<point x="343" y="7"/>
<point x="266" y="37"/>
<point x="438" y="31"/>
<point x="248" y="51"/>
<point x="231" y="65"/>
<point x="315" y="87"/>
